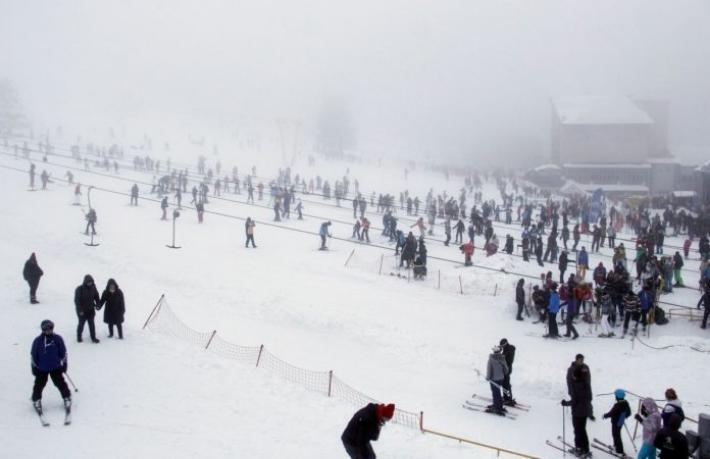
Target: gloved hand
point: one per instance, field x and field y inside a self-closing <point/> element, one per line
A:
<point x="565" y="403"/>
<point x="34" y="370"/>
<point x="64" y="367"/>
<point x="606" y="416"/>
<point x="97" y="308"/>
<point x="638" y="417"/>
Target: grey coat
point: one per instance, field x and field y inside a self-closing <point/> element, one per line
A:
<point x="497" y="368"/>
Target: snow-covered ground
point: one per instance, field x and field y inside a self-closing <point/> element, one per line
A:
<point x="403" y="342"/>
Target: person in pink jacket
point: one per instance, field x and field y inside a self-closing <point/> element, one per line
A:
<point x="650" y="419"/>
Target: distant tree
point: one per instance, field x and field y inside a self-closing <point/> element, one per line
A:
<point x="12" y="117"/>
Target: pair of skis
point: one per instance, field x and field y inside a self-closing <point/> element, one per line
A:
<point x="600" y="445"/>
<point x="43" y="418"/>
<point x="596" y="444"/>
<point x="482" y="404"/>
<point x="567" y="448"/>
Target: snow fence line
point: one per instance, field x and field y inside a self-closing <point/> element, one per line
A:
<point x="163" y="320"/>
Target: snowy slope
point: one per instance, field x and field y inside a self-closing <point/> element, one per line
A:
<point x="407" y="343"/>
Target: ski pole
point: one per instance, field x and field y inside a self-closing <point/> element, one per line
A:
<point x="633" y="443"/>
<point x="71" y="382"/>
<point x="564" y="433"/>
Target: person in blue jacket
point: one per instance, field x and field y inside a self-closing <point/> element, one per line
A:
<point x="324" y="233"/>
<point x="553" y="307"/>
<point x="49" y="360"/>
<point x="582" y="263"/>
<point x="618" y="414"/>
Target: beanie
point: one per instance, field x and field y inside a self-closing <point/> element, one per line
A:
<point x="385" y="411"/>
<point x="619" y="394"/>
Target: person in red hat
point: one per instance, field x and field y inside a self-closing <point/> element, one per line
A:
<point x="363" y="428"/>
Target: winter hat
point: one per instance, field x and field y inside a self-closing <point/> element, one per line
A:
<point x="46" y="325"/>
<point x="385" y="411"/>
<point x="503" y="342"/>
<point x="497" y="349"/>
<point x="619" y="394"/>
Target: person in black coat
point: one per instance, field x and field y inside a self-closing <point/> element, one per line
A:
<point x="86" y="300"/>
<point x="363" y="428"/>
<point x="112" y="298"/>
<point x="520" y="298"/>
<point x="580" y="401"/>
<point x="32" y="273"/>
<point x="670" y="442"/>
<point x="509" y="355"/>
<point x="563" y="260"/>
<point x="618" y="415"/>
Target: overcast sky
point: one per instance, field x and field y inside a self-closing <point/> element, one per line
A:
<point x="431" y="77"/>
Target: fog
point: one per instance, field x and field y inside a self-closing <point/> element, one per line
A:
<point x="445" y="79"/>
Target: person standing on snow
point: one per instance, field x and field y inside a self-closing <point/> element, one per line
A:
<point x="164" y="208"/>
<point x="32" y="274"/>
<point x="582" y="263"/>
<point x="249" y="229"/>
<point x="363" y="428"/>
<point x="496" y="372"/>
<point x="49" y="360"/>
<point x="324" y="233"/>
<point x="580" y="392"/>
<point x="650" y="418"/>
<point x="618" y="414"/>
<point x="553" y="307"/>
<point x="509" y="354"/>
<point x="670" y="442"/>
<point x="86" y="301"/>
<point x="673" y="406"/>
<point x="112" y="297"/>
<point x="520" y="298"/>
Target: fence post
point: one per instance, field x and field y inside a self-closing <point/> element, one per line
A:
<point x="421" y="421"/>
<point x="460" y="284"/>
<point x="438" y="285"/>
<point x="495" y="291"/>
<point x="349" y="257"/>
<point x="209" y="341"/>
<point x="330" y="382"/>
<point x="382" y="259"/>
<point x="261" y="349"/>
<point x="160" y="301"/>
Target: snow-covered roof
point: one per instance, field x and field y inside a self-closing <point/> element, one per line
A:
<point x="546" y="167"/>
<point x="605" y="166"/>
<point x="591" y="187"/>
<point x="684" y="194"/>
<point x="599" y="110"/>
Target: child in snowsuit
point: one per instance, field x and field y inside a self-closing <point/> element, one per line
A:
<point x="618" y="414"/>
<point x="650" y="419"/>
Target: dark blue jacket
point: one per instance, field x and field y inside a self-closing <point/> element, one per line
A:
<point x="48" y="353"/>
<point x="646" y="299"/>
<point x="554" y="305"/>
<point x="362" y="428"/>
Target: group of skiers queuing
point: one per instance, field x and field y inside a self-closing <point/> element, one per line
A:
<point x="661" y="427"/>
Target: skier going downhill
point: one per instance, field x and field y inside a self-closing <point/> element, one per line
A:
<point x="32" y="274"/>
<point x="49" y="360"/>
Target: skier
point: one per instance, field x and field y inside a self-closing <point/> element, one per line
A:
<point x="32" y="176"/>
<point x="673" y="407"/>
<point x="509" y="354"/>
<point x="77" y="195"/>
<point x="705" y="303"/>
<point x="134" y="194"/>
<point x="520" y="298"/>
<point x="467" y="250"/>
<point x="164" y="208"/>
<point x="49" y="360"/>
<point x="112" y="297"/>
<point x="582" y="263"/>
<point x="299" y="209"/>
<point x="650" y="418"/>
<point x="365" y="235"/>
<point x="677" y="269"/>
<point x="562" y="265"/>
<point x="618" y="414"/>
<point x="324" y="233"/>
<point x="90" y="222"/>
<point x="553" y="307"/>
<point x="32" y="274"/>
<point x="249" y="229"/>
<point x="671" y="443"/>
<point x="496" y="372"/>
<point x="580" y="392"/>
<point x="365" y="427"/>
<point x="86" y="300"/>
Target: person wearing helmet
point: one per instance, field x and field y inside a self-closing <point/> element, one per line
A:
<point x="618" y="414"/>
<point x="363" y="428"/>
<point x="496" y="373"/>
<point x="49" y="360"/>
